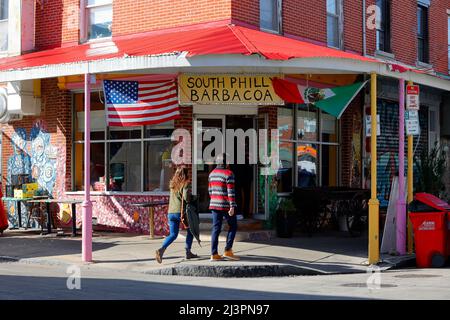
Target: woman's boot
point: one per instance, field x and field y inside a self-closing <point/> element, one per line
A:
<point x="159" y="254"/>
<point x="190" y="255"/>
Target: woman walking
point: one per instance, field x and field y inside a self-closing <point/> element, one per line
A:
<point x="179" y="194"/>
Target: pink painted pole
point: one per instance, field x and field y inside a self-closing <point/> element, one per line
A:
<point x="86" y="250"/>
<point x="401" y="203"/>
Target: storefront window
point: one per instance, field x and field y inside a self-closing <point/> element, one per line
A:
<point x="285" y="122"/>
<point x="98" y="123"/>
<point x="160" y="130"/>
<point x="97" y="166"/>
<point x="124" y="166"/>
<point x="329" y="165"/>
<point x="131" y="159"/>
<point x="119" y="133"/>
<point x="159" y="170"/>
<point x="328" y="128"/>
<point x="315" y="148"/>
<point x="307" y="123"/>
<point x="307" y="164"/>
<point x="284" y="174"/>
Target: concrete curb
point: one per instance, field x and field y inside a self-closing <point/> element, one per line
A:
<point x="238" y="271"/>
<point x="7" y="259"/>
<point x="231" y="271"/>
<point x="398" y="262"/>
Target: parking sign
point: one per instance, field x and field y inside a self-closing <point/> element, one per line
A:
<point x="412" y="97"/>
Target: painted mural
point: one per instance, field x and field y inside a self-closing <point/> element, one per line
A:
<point x="34" y="156"/>
<point x="118" y="213"/>
<point x="43" y="158"/>
<point x="355" y="173"/>
<point x="18" y="163"/>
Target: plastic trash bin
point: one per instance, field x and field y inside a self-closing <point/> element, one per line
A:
<point x="448" y="234"/>
<point x="429" y="217"/>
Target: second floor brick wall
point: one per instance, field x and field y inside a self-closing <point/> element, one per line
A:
<point x="131" y="16"/>
<point x="439" y="35"/>
<point x="57" y="22"/>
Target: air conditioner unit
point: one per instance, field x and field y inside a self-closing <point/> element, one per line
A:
<point x="18" y="99"/>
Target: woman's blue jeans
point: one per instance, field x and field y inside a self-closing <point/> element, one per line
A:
<point x="174" y="226"/>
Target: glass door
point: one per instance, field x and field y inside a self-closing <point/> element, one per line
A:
<point x="206" y="130"/>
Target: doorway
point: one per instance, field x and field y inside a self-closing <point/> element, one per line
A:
<point x="244" y="173"/>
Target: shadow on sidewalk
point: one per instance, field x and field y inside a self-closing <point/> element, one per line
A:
<point x="328" y="243"/>
<point x="45" y="288"/>
<point x="30" y="244"/>
<point x="335" y="267"/>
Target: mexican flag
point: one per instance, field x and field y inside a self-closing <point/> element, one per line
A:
<point x="331" y="100"/>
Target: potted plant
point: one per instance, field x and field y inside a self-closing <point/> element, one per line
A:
<point x="431" y="167"/>
<point x="286" y="218"/>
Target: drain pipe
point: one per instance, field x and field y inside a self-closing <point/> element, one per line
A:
<point x="364" y="26"/>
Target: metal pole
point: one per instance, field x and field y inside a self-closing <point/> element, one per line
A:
<point x="86" y="250"/>
<point x="401" y="204"/>
<point x="410" y="187"/>
<point x="374" y="242"/>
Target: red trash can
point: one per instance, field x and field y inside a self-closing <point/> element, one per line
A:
<point x="3" y="214"/>
<point x="448" y="234"/>
<point x="429" y="217"/>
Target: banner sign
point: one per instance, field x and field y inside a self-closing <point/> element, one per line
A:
<point x="412" y="123"/>
<point x="412" y="97"/>
<point x="227" y="89"/>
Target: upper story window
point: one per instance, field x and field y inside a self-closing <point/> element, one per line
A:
<point x="270" y="15"/>
<point x="422" y="33"/>
<point x="99" y="14"/>
<point x="384" y="26"/>
<point x="334" y="30"/>
<point x="3" y="25"/>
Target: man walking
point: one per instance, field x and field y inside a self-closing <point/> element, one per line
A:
<point x="222" y="205"/>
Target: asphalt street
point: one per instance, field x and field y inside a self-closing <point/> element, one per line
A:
<point x="37" y="281"/>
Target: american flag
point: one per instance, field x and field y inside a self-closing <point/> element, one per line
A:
<point x="137" y="103"/>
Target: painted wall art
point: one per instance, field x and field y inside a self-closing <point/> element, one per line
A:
<point x="34" y="156"/>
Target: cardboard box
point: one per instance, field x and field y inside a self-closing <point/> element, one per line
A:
<point x="20" y="194"/>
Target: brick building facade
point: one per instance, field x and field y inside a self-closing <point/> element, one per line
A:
<point x="59" y="23"/>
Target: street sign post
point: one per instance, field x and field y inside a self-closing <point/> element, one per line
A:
<point x="412" y="97"/>
<point x="412" y="122"/>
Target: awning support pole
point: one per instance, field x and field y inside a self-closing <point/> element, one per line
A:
<point x="374" y="242"/>
<point x="410" y="187"/>
<point x="86" y="250"/>
<point x="401" y="204"/>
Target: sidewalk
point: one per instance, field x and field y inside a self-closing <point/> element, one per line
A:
<point x="318" y="255"/>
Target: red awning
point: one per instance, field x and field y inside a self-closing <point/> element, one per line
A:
<point x="222" y="39"/>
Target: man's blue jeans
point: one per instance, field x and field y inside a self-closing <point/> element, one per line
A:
<point x="217" y="226"/>
<point x="174" y="226"/>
